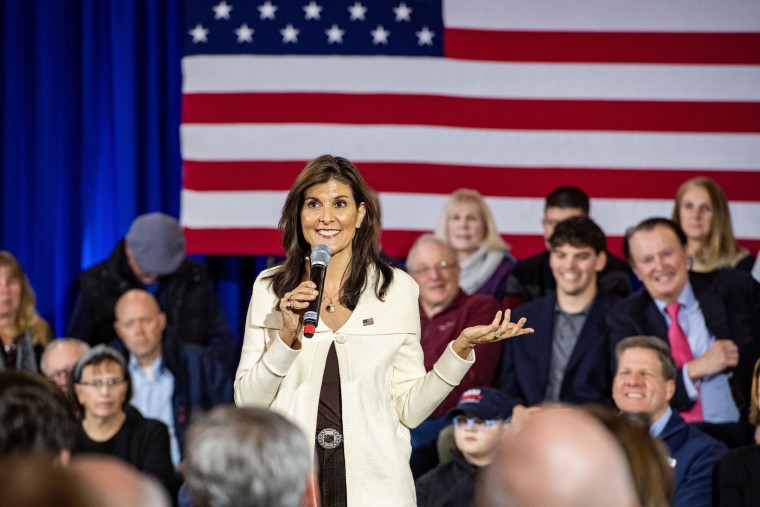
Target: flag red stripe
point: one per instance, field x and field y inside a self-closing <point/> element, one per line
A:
<point x="386" y="109"/>
<point x="395" y="243"/>
<point x="739" y="48"/>
<point x="444" y="179"/>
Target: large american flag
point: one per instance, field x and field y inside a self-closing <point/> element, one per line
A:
<point x="625" y="99"/>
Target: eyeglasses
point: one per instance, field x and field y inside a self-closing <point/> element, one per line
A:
<point x="109" y="383"/>
<point x="438" y="268"/>
<point x="59" y="373"/>
<point x="462" y="420"/>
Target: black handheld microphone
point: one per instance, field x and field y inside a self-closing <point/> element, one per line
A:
<point x="320" y="258"/>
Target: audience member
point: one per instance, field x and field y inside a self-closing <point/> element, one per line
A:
<point x="756" y="269"/>
<point x="60" y="357"/>
<point x="483" y="257"/>
<point x="171" y="381"/>
<point x="532" y="278"/>
<point x="568" y="357"/>
<point x="481" y="419"/>
<point x="152" y="257"/>
<point x="701" y="209"/>
<point x="35" y="417"/>
<point x="712" y="323"/>
<point x="645" y="383"/>
<point x="110" y="425"/>
<point x="737" y="479"/>
<point x="647" y="456"/>
<point x="445" y="310"/>
<point x="30" y="480"/>
<point x="560" y="457"/>
<point x="23" y="332"/>
<point x="252" y="457"/>
<point x="113" y="483"/>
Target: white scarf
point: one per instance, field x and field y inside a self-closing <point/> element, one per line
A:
<point x="478" y="268"/>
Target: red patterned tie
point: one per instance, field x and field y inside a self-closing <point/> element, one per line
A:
<point x="679" y="347"/>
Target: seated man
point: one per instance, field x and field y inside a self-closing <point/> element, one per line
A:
<point x="481" y="419"/>
<point x="59" y="358"/>
<point x="152" y="257"/>
<point x="532" y="278"/>
<point x="445" y="310"/>
<point x="171" y="381"/>
<point x="568" y="357"/>
<point x="249" y="456"/>
<point x="711" y="322"/>
<point x="645" y="383"/>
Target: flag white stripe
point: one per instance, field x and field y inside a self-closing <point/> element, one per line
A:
<point x="605" y="15"/>
<point x="394" y="75"/>
<point x="486" y="147"/>
<point x="261" y="209"/>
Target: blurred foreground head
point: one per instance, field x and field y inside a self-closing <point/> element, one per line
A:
<point x="249" y="456"/>
<point x="562" y="457"/>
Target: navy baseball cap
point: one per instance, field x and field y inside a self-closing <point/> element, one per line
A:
<point x="485" y="403"/>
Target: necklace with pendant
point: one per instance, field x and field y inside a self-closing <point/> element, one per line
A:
<point x="330" y="306"/>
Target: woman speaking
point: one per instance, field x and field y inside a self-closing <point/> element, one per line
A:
<point x="359" y="383"/>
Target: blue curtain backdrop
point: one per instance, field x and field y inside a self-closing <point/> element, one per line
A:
<point x="90" y="139"/>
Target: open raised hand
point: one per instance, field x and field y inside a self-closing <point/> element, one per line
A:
<point x="495" y="331"/>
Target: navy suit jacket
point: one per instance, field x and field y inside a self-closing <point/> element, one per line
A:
<point x="730" y="302"/>
<point x="696" y="455"/>
<point x="526" y="359"/>
<point x="201" y="381"/>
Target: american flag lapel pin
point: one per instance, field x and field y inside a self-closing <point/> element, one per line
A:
<point x="368" y="322"/>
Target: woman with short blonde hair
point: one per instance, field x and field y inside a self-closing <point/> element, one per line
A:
<point x="483" y="256"/>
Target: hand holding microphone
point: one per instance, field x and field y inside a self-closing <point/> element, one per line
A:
<point x="304" y="299"/>
<point x="320" y="258"/>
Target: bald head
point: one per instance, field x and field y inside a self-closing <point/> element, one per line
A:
<point x="115" y="483"/>
<point x="60" y="357"/>
<point x="135" y="297"/>
<point x="562" y="457"/>
<point x="140" y="324"/>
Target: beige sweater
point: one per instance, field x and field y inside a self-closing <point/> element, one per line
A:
<point x="385" y="390"/>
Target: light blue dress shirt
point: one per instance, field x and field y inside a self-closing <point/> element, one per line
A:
<point x="153" y="387"/>
<point x="718" y="404"/>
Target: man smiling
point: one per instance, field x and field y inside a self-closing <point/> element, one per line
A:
<point x="566" y="359"/>
<point x="645" y="383"/>
<point x="711" y="322"/>
<point x="445" y="310"/>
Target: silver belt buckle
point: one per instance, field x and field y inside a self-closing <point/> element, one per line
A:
<point x="329" y="438"/>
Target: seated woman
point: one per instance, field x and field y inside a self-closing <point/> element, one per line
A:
<point x="701" y="209"/>
<point x="23" y="332"/>
<point x="737" y="477"/>
<point x="484" y="258"/>
<point x="110" y="425"/>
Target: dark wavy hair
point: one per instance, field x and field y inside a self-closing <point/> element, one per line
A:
<point x="35" y="416"/>
<point x="579" y="232"/>
<point x="365" y="252"/>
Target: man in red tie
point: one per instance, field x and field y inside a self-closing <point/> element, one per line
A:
<point x="711" y="322"/>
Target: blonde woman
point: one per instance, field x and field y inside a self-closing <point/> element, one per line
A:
<point x="484" y="259"/>
<point x="23" y="332"/>
<point x="701" y="209"/>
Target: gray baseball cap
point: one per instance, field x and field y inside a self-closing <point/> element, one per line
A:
<point x="157" y="243"/>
